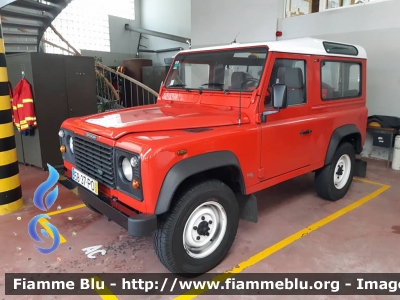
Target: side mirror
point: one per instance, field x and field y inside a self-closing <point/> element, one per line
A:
<point x="279" y="96"/>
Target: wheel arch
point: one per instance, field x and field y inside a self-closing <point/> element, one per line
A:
<point x="219" y="163"/>
<point x="347" y="133"/>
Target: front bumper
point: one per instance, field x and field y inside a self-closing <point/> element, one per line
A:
<point x="138" y="225"/>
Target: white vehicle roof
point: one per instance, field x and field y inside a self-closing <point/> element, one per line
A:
<point x="310" y="46"/>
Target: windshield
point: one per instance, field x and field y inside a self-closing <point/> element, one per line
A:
<point x="227" y="70"/>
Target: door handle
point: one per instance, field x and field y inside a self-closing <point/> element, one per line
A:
<point x="306" y="131"/>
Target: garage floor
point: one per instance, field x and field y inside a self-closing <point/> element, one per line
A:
<point x="364" y="237"/>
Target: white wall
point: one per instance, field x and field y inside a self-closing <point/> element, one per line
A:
<point x="123" y="43"/>
<point x="166" y="16"/>
<point x="218" y="22"/>
<point x="122" y="40"/>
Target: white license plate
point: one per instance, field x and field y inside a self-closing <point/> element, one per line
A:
<point x="85" y="181"/>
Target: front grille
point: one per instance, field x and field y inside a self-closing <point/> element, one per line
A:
<point x="96" y="160"/>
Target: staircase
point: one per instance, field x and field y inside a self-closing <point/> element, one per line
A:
<point x="25" y="21"/>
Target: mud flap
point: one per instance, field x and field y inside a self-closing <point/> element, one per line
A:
<point x="360" y="168"/>
<point x="248" y="207"/>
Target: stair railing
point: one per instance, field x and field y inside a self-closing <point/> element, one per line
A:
<point x="115" y="90"/>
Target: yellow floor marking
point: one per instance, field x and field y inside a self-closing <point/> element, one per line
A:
<point x="66" y="210"/>
<point x="62" y="177"/>
<point x="105" y="294"/>
<point x="43" y="222"/>
<point x="368" y="181"/>
<point x="75" y="191"/>
<point x="287" y="241"/>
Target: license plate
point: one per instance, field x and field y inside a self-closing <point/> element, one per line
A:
<point x="85" y="181"/>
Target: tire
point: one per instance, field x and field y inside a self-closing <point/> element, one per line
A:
<point x="175" y="241"/>
<point x="333" y="181"/>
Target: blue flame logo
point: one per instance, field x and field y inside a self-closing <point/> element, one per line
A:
<point x="44" y="204"/>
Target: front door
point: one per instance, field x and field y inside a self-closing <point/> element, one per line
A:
<point x="287" y="135"/>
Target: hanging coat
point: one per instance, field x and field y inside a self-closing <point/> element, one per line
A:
<point x="23" y="108"/>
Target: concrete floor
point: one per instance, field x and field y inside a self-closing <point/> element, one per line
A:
<point x="365" y="239"/>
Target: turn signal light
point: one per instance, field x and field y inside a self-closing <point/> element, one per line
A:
<point x="136" y="184"/>
<point x="181" y="152"/>
<point x="63" y="149"/>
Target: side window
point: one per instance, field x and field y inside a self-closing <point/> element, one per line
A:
<point x="291" y="72"/>
<point x="340" y="80"/>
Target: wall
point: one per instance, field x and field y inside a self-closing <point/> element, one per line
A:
<point x="123" y="43"/>
<point x="376" y="27"/>
<point x="167" y="16"/>
<point x="122" y="40"/>
<point x="108" y="58"/>
<point x="218" y="22"/>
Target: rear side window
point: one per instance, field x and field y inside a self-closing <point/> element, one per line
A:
<point x="335" y="48"/>
<point x="340" y="80"/>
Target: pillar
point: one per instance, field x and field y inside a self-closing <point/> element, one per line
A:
<point x="10" y="186"/>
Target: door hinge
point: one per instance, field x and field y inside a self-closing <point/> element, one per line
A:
<point x="261" y="172"/>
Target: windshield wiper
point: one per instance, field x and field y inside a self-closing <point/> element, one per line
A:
<point x="214" y="84"/>
<point x="177" y="85"/>
<point x="220" y="85"/>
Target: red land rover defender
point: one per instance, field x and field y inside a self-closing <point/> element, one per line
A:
<point x="229" y="121"/>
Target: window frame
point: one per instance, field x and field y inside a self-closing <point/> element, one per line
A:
<point x="96" y="33"/>
<point x="305" y="76"/>
<point x="323" y="7"/>
<point x="354" y="62"/>
<point x="325" y="43"/>
<point x="262" y="49"/>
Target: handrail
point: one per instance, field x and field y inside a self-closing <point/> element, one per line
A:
<point x="57" y="46"/>
<point x="145" y="87"/>
<point x="105" y="95"/>
<point x="162" y="35"/>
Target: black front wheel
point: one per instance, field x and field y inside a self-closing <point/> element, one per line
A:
<point x="199" y="229"/>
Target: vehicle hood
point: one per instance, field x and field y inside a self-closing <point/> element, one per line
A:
<point x="158" y="117"/>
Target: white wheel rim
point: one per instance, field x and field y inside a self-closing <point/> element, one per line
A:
<point x="204" y="229"/>
<point x="342" y="171"/>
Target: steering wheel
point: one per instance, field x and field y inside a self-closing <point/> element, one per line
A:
<point x="252" y="82"/>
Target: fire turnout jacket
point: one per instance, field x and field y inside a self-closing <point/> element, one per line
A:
<point x="23" y="108"/>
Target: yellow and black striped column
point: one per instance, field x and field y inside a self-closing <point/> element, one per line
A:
<point x="10" y="186"/>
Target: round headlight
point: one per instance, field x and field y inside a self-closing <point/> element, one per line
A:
<point x="61" y="133"/>
<point x="127" y="169"/>
<point x="71" y="144"/>
<point x="134" y="161"/>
